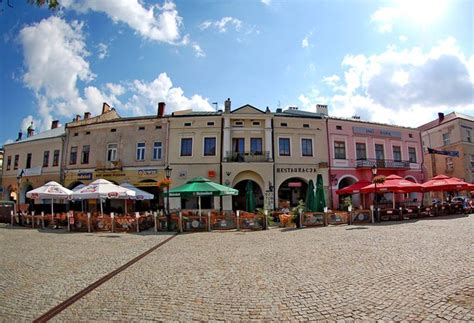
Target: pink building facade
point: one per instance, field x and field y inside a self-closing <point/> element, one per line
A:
<point x="355" y="146"/>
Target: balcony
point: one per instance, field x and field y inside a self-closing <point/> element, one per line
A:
<point x="382" y="163"/>
<point x="246" y="157"/>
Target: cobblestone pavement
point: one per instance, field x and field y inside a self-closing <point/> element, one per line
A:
<point x="415" y="270"/>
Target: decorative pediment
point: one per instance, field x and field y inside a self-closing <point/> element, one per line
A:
<point x="248" y="109"/>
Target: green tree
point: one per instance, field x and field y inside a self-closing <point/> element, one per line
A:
<point x="52" y="4"/>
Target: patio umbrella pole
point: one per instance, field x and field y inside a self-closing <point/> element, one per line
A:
<point x="101" y="208"/>
<point x="393" y="198"/>
<point x="52" y="213"/>
<point x="125" y="200"/>
<point x="199" y="205"/>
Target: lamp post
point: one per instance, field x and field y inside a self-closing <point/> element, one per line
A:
<point x="168" y="215"/>
<point x="374" y="173"/>
<point x="18" y="179"/>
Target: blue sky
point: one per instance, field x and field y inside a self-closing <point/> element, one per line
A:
<point x="396" y="62"/>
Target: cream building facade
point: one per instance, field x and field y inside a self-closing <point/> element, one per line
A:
<point x="452" y="132"/>
<point x="32" y="162"/>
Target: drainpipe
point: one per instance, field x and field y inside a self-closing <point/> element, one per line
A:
<point x="275" y="188"/>
<point x="220" y="161"/>
<point x="63" y="152"/>
<point x="329" y="163"/>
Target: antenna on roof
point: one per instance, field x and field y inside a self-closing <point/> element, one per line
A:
<point x="216" y="104"/>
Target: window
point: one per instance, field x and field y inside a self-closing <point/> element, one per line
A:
<point x="88" y="132"/>
<point x="284" y="146"/>
<point x="9" y="162"/>
<point x="187" y="124"/>
<point x="210" y="146"/>
<point x="307" y="147"/>
<point x="256" y="146"/>
<point x="338" y="127"/>
<point x="379" y="153"/>
<point x="186" y="146"/>
<point x="15" y="163"/>
<point x="472" y="161"/>
<point x="28" y="160"/>
<point x="113" y="130"/>
<point x="210" y="123"/>
<point x="255" y="123"/>
<point x="238" y="145"/>
<point x="73" y="156"/>
<point x="283" y="124"/>
<point x="56" y="158"/>
<point x="410" y="135"/>
<point x="449" y="163"/>
<point x="305" y="125"/>
<point x="339" y="150"/>
<point x="111" y="152"/>
<point x="85" y="154"/>
<point x="157" y="150"/>
<point x="361" y="151"/>
<point x="76" y="134"/>
<point x="141" y="128"/>
<point x="468" y="135"/>
<point x="157" y="127"/>
<point x="446" y="140"/>
<point x="141" y="151"/>
<point x="412" y="154"/>
<point x="239" y="124"/>
<point x="397" y="153"/>
<point x="46" y="158"/>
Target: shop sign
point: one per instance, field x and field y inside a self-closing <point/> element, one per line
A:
<point x="84" y="176"/>
<point x="296" y="170"/>
<point x="377" y="132"/>
<point x="294" y="184"/>
<point x="211" y="173"/>
<point x="109" y="174"/>
<point x="33" y="171"/>
<point x="147" y="172"/>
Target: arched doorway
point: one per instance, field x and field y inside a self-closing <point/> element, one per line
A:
<point x="291" y="191"/>
<point x="345" y="181"/>
<point x="25" y="201"/>
<point x="239" y="201"/>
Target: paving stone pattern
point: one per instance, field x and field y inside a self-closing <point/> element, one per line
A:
<point x="414" y="270"/>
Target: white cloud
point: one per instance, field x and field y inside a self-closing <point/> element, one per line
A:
<point x="147" y="94"/>
<point x="419" y="12"/>
<point x="115" y="89"/>
<point x="158" y="23"/>
<point x="222" y="25"/>
<point x="390" y="86"/>
<point x="266" y="2"/>
<point x="8" y="141"/>
<point x="102" y="51"/>
<point x="403" y="38"/>
<point x="305" y="42"/>
<point x="198" y="50"/>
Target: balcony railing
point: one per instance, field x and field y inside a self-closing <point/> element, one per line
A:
<point x="382" y="163"/>
<point x="246" y="157"/>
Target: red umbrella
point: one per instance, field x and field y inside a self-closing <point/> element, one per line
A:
<point x="354" y="188"/>
<point x="444" y="183"/>
<point x="395" y="184"/>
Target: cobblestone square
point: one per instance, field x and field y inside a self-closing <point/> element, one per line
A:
<point x="412" y="270"/>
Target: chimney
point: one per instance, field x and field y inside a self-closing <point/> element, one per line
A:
<point x="78" y="117"/>
<point x="161" y="109"/>
<point x="322" y="108"/>
<point x="105" y="107"/>
<point x="279" y="110"/>
<point x="87" y="115"/>
<point x="54" y="124"/>
<point x="227" y="105"/>
<point x="440" y="117"/>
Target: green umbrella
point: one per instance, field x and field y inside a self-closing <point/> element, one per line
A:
<point x="310" y="200"/>
<point x="201" y="186"/>
<point x="320" y="200"/>
<point x="249" y="197"/>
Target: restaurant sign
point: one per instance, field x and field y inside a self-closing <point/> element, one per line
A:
<point x="84" y="176"/>
<point x="147" y="172"/>
<point x="296" y="170"/>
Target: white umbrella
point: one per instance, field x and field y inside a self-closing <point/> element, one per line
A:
<point x="140" y="194"/>
<point x="50" y="190"/>
<point x="77" y="188"/>
<point x="102" y="189"/>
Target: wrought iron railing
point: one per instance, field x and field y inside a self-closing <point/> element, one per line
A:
<point x="247" y="157"/>
<point x="382" y="163"/>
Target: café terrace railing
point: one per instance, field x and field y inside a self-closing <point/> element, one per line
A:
<point x="246" y="157"/>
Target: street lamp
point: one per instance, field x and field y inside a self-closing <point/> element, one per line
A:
<point x="374" y="173"/>
<point x="168" y="215"/>
<point x="18" y="179"/>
